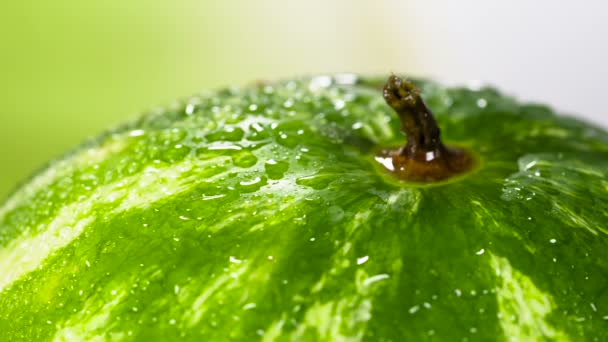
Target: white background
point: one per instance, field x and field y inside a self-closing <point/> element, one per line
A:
<point x="555" y="52"/>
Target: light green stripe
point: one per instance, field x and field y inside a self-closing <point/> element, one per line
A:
<point x="225" y="282"/>
<point x="522" y="306"/>
<point x="62" y="169"/>
<point x="26" y="253"/>
<point x="84" y="326"/>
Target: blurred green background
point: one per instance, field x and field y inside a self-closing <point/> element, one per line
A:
<point x="71" y="69"/>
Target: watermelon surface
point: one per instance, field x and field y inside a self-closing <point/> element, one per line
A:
<point x="259" y="213"/>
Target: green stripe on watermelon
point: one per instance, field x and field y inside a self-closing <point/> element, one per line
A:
<point x="259" y="213"/>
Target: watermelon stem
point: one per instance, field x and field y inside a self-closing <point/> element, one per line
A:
<point x="424" y="158"/>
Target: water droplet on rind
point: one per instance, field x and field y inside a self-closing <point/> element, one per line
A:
<point x="213" y="150"/>
<point x="175" y="154"/>
<point x="170" y="137"/>
<point x="276" y="169"/>
<point x="244" y="159"/>
<point x="318" y="181"/>
<point x="252" y="184"/>
<point x="229" y="134"/>
<point x="137" y="133"/>
<point x="257" y="132"/>
<point x="335" y="213"/>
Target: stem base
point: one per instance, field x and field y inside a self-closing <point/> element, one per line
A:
<point x="451" y="162"/>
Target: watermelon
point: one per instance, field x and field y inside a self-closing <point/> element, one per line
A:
<point x="267" y="213"/>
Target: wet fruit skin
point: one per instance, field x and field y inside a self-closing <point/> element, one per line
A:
<point x="259" y="213"/>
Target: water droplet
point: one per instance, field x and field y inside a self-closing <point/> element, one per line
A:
<point x="276" y="169"/>
<point x="244" y="159"/>
<point x="374" y="279"/>
<point x="480" y="252"/>
<point x="137" y="133"/>
<point x="177" y="153"/>
<point x="288" y="139"/>
<point x="414" y="309"/>
<point x="482" y="103"/>
<point x="553" y="241"/>
<point x="362" y="260"/>
<point x="249" y="306"/>
<point x="458" y="292"/>
<point x="228" y="134"/>
<point x="256" y="127"/>
<point x="300" y="221"/>
<point x="212" y="197"/>
<point x="190" y="108"/>
<point x="288" y="103"/>
<point x="220" y="147"/>
<point x="253" y="184"/>
<point x="320" y="82"/>
<point x="335" y="213"/>
<point x="314" y="199"/>
<point x="318" y="181"/>
<point x="257" y="132"/>
<point x="339" y="104"/>
<point x="234" y="260"/>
